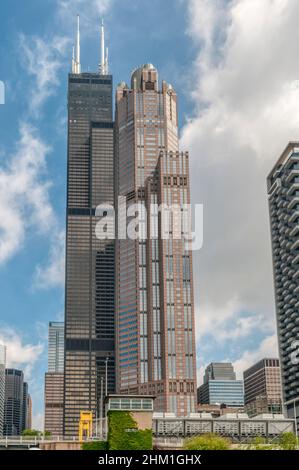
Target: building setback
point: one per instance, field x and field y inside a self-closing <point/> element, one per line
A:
<point x="89" y="292"/>
<point x="221" y="387"/>
<point x="262" y="387"/>
<point x="283" y="194"/>
<point x="154" y="293"/>
<point x="2" y="386"/>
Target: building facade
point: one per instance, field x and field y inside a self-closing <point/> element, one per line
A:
<point x="283" y="195"/>
<point x="13" y="407"/>
<point x="56" y="347"/>
<point x="89" y="294"/>
<point x="2" y="386"/>
<point x="154" y="287"/>
<point x="54" y="380"/>
<point x="221" y="387"/>
<point x="262" y="387"/>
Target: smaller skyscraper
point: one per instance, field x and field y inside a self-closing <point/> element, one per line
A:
<point x="13" y="406"/>
<point x="2" y="385"/>
<point x="54" y="380"/>
<point x="221" y="386"/>
<point x="262" y="388"/>
<point x="56" y="347"/>
<point x="29" y="412"/>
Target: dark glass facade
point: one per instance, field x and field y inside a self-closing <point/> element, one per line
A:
<point x="13" y="406"/>
<point x="89" y="303"/>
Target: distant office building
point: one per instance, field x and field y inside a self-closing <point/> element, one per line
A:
<point x="25" y="406"/>
<point x="29" y="412"/>
<point x="219" y="410"/>
<point x="155" y="335"/>
<point x="56" y="347"/>
<point x="219" y="371"/>
<point x="2" y="385"/>
<point x="13" y="408"/>
<point x="221" y="387"/>
<point x="54" y="380"/>
<point x="262" y="388"/>
<point x="54" y="403"/>
<point x="283" y="193"/>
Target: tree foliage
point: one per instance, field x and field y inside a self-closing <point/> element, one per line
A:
<point x="123" y="433"/>
<point x="207" y="442"/>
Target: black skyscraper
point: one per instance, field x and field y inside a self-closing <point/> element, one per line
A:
<point x="89" y="303"/>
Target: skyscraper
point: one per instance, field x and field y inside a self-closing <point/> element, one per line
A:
<point x="221" y="386"/>
<point x="25" y="406"/>
<point x="56" y="347"/>
<point x="89" y="296"/>
<point x="2" y="385"/>
<point x="283" y="193"/>
<point x="262" y="387"/>
<point x="154" y="293"/>
<point x="13" y="408"/>
<point x="54" y="380"/>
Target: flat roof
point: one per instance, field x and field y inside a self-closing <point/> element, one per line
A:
<point x="291" y="145"/>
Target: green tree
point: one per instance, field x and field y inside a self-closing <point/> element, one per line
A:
<point x="31" y="432"/>
<point x="207" y="442"/>
<point x="123" y="433"/>
<point x="288" y="441"/>
<point x="95" y="445"/>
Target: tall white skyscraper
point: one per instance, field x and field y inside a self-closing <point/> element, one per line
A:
<point x="56" y="347"/>
<point x="2" y="385"/>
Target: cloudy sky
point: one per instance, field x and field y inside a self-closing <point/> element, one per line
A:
<point x="235" y="67"/>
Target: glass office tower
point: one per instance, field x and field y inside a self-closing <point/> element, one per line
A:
<point x="56" y="347"/>
<point x="89" y="302"/>
<point x="154" y="293"/>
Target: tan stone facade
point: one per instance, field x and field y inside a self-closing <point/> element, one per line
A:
<point x="154" y="292"/>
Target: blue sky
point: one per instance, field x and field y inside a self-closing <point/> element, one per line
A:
<point x="232" y="119"/>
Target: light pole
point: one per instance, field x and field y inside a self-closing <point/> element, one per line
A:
<point x="106" y="376"/>
<point x="101" y="410"/>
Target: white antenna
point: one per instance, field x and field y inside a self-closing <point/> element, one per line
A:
<point x="103" y="66"/>
<point x="78" y="61"/>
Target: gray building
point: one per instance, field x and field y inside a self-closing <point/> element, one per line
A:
<point x="2" y="385"/>
<point x="262" y="387"/>
<point x="13" y="407"/>
<point x="56" y="347"/>
<point x="221" y="387"/>
<point x="283" y="194"/>
<point x="89" y="294"/>
<point x="54" y="380"/>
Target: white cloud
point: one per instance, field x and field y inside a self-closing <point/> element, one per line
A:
<point x="53" y="273"/>
<point x="43" y="59"/>
<point x="18" y="353"/>
<point x="24" y="193"/>
<point x="90" y="13"/>
<point x="267" y="348"/>
<point x="246" y="94"/>
<point x="38" y="421"/>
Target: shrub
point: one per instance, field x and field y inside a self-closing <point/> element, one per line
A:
<point x="123" y="433"/>
<point x="95" y="445"/>
<point x="207" y="442"/>
<point x="288" y="441"/>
